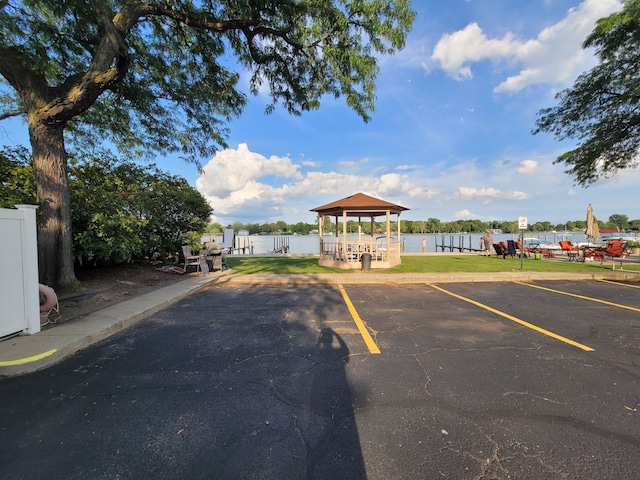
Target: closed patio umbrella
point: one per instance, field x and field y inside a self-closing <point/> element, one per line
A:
<point x="592" y="224"/>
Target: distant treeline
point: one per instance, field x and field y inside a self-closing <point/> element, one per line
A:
<point x="432" y="225"/>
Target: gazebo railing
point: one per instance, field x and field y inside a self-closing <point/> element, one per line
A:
<point x="352" y="251"/>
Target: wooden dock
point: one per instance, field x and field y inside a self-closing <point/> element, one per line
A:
<point x="457" y="243"/>
<point x="241" y="245"/>
<point x="280" y="245"/>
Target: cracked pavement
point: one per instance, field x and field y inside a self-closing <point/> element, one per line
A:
<point x="275" y="382"/>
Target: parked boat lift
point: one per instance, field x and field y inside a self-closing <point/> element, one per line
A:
<point x="280" y="245"/>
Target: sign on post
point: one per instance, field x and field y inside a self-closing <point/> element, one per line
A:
<point x="523" y="224"/>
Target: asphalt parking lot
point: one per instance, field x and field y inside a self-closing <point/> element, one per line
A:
<point x="459" y="381"/>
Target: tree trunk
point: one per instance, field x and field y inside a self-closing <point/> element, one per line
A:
<point x="55" y="240"/>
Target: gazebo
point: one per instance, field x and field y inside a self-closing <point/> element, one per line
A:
<point x="346" y="252"/>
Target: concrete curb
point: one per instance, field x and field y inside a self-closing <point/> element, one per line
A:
<point x="374" y="278"/>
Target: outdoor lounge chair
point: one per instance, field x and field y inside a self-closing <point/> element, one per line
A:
<point x="511" y="248"/>
<point x="592" y="253"/>
<point x="500" y="249"/>
<point x="567" y="246"/>
<point x="615" y="249"/>
<point x="190" y="260"/>
<point x="572" y="251"/>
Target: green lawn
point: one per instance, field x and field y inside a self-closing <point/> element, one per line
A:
<point x="418" y="264"/>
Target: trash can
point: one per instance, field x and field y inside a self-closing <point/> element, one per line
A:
<point x="366" y="262"/>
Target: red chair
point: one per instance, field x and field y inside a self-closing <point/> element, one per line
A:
<point x="573" y="252"/>
<point x="500" y="250"/>
<point x="615" y="249"/>
<point x="592" y="252"/>
<point x="567" y="246"/>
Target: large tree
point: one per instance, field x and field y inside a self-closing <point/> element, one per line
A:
<point x="602" y="109"/>
<point x="160" y="75"/>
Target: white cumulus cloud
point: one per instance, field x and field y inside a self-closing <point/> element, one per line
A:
<point x="490" y="194"/>
<point x="464" y="214"/>
<point x="527" y="167"/>
<point x="239" y="183"/>
<point x="554" y="56"/>
<point x="456" y="50"/>
<point x="230" y="180"/>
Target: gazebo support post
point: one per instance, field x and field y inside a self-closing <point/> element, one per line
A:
<point x="399" y="239"/>
<point x="320" y="231"/>
<point x="344" y="236"/>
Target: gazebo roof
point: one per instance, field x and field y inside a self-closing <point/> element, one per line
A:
<point x="359" y="204"/>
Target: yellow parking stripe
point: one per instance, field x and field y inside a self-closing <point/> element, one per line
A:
<point x="22" y="361"/>
<point x="373" y="348"/>
<point x="618" y="283"/>
<point x="627" y="307"/>
<point x="514" y="319"/>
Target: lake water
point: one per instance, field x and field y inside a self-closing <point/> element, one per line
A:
<point x="412" y="243"/>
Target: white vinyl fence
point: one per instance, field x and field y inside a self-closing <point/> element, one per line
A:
<point x="19" y="299"/>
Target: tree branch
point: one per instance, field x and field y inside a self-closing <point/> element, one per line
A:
<point x="15" y="113"/>
<point x="109" y="65"/>
<point x="14" y="65"/>
<point x="212" y="25"/>
<point x="112" y="34"/>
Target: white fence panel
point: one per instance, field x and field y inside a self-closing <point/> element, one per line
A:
<point x="19" y="299"/>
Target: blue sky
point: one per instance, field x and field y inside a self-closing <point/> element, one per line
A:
<point x="451" y="136"/>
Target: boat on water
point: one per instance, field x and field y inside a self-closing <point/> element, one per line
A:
<point x="608" y="237"/>
<point x="624" y="236"/>
<point x="534" y="243"/>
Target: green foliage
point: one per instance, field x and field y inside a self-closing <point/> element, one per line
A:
<point x="302" y="228"/>
<point x="434" y="225"/>
<point x="124" y="211"/>
<point x="17" y="182"/>
<point x="601" y="110"/>
<point x="214" y="228"/>
<point x="170" y="206"/>
<point x="110" y="237"/>
<point x="619" y="220"/>
<point x="193" y="239"/>
<point x="541" y="227"/>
